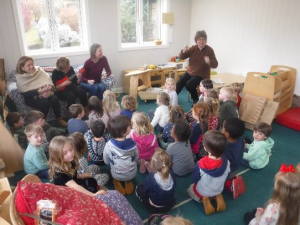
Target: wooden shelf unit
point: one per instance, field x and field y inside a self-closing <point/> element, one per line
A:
<point x="278" y="88"/>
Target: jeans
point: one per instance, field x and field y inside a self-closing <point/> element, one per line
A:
<point x="190" y="84"/>
<point x="43" y="174"/>
<point x="96" y="89"/>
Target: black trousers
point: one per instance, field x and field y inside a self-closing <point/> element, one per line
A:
<point x="71" y="93"/>
<point x="44" y="105"/>
<point x="190" y="84"/>
<point x="249" y="216"/>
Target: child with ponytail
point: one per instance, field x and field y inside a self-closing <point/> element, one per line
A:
<point x="158" y="190"/>
<point x="213" y="104"/>
<point x="284" y="206"/>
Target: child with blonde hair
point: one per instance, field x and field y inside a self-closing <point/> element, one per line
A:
<point x="63" y="166"/>
<point x="175" y="220"/>
<point x="170" y="86"/>
<point x="158" y="190"/>
<point x="110" y="104"/>
<point x="16" y="123"/>
<point x="160" y="118"/>
<point x="237" y="89"/>
<point x="35" y="160"/>
<point x="121" y="154"/>
<point x="129" y="105"/>
<point x="228" y="107"/>
<point x="96" y="111"/>
<point x="200" y="113"/>
<point x="84" y="169"/>
<point x="145" y="139"/>
<point x="284" y="206"/>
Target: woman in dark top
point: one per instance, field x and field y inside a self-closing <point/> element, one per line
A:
<point x="36" y="87"/>
<point x="93" y="68"/>
<point x="66" y="82"/>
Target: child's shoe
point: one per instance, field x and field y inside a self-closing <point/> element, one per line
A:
<point x="129" y="187"/>
<point x="142" y="166"/>
<point x="221" y="206"/>
<point x="148" y="167"/>
<point x="238" y="187"/>
<point x="209" y="209"/>
<point x="119" y="187"/>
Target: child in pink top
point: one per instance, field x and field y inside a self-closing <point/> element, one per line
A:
<point x="142" y="134"/>
<point x="212" y="101"/>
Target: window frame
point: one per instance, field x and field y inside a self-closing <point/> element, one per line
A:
<point x="56" y="52"/>
<point x="165" y="5"/>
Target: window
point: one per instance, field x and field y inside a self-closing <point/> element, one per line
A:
<point x="141" y="23"/>
<point x="51" y="26"/>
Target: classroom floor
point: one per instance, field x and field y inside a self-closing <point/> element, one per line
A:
<point x="259" y="183"/>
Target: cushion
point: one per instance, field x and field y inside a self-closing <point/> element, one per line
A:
<point x="73" y="207"/>
<point x="290" y="118"/>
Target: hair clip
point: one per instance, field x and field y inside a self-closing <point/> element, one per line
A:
<point x="287" y="169"/>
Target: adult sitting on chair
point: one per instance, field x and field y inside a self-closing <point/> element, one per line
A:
<point x="36" y="87"/>
<point x="66" y="82"/>
<point x="201" y="59"/>
<point x="93" y="67"/>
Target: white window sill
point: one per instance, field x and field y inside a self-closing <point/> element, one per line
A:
<point x="66" y="53"/>
<point x="142" y="47"/>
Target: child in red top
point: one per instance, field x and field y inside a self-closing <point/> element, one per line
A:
<point x="212" y="101"/>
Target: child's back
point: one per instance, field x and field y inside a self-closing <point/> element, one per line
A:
<point x="228" y="109"/>
<point x="77" y="125"/>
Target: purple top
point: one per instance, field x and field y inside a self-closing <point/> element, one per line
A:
<point x="93" y="70"/>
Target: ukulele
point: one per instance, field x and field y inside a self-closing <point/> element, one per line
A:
<point x="67" y="78"/>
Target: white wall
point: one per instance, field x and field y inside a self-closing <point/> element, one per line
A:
<point x="250" y="35"/>
<point x="103" y="21"/>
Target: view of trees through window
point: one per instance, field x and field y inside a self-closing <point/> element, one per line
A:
<point x="140" y="20"/>
<point x="50" y="29"/>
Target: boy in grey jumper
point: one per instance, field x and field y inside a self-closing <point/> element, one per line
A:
<point x="121" y="153"/>
<point x="180" y="151"/>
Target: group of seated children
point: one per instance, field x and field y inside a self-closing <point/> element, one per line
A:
<point x="124" y="138"/>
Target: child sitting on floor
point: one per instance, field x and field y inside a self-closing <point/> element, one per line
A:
<point x="160" y="118"/>
<point x="110" y="104"/>
<point x="63" y="165"/>
<point x="37" y="118"/>
<point x="121" y="154"/>
<point x="129" y="105"/>
<point x="96" y="111"/>
<point x="76" y="124"/>
<point x="259" y="151"/>
<point x="35" y="161"/>
<point x="213" y="105"/>
<point x="176" y="115"/>
<point x="211" y="172"/>
<point x="200" y="114"/>
<point x="95" y="142"/>
<point x="84" y="169"/>
<point x="145" y="139"/>
<point x="158" y="190"/>
<point x="233" y="129"/>
<point x="170" y="86"/>
<point x="237" y="89"/>
<point x="228" y="107"/>
<point x="16" y="123"/>
<point x="284" y="206"/>
<point x="180" y="151"/>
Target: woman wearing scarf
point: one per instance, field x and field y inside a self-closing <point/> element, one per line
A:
<point x="36" y="87"/>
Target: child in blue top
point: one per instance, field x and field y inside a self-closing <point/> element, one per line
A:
<point x="259" y="151"/>
<point x="233" y="129"/>
<point x="76" y="124"/>
<point x="35" y="161"/>
<point x="211" y="172"/>
<point x="129" y="105"/>
<point x="176" y="115"/>
<point x="158" y="190"/>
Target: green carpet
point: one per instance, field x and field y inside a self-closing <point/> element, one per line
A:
<point x="259" y="183"/>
